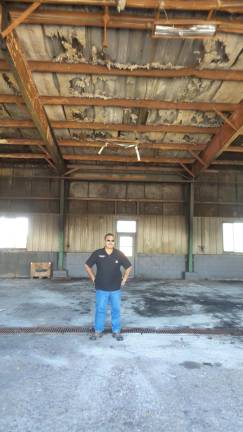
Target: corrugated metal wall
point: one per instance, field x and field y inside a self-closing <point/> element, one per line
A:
<point x="86" y="233"/>
<point x="155" y="235"/>
<point x="43" y="233"/>
<point x="162" y="234"/>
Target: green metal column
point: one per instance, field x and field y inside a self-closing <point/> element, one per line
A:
<point x="190" y="228"/>
<point x="61" y="225"/>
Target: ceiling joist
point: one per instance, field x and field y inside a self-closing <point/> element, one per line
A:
<point x="221" y="141"/>
<point x="30" y="95"/>
<point x="231" y="6"/>
<point x="127" y="103"/>
<point x="65" y="124"/>
<point x="140" y="71"/>
<point x="122" y="21"/>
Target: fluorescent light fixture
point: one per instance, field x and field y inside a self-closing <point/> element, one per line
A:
<point x="195" y="30"/>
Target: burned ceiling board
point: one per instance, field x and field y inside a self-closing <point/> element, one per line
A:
<point x="91" y="116"/>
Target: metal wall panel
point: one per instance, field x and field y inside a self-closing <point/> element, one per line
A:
<point x="162" y="235"/>
<point x="86" y="233"/>
<point x="43" y="233"/>
<point x="208" y="234"/>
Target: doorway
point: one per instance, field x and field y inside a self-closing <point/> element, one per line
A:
<point x="126" y="240"/>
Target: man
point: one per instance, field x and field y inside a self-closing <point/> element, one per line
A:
<point x="108" y="282"/>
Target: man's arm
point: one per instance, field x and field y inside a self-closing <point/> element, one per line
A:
<point x="125" y="276"/>
<point x="90" y="272"/>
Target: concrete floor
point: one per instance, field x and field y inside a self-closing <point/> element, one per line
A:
<point x="149" y="382"/>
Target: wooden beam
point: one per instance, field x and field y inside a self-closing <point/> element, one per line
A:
<point x="99" y="143"/>
<point x="226" y="120"/>
<point x="22" y="17"/>
<point x="137" y="103"/>
<point x="85" y="68"/>
<point x="23" y="156"/>
<point x="228" y="162"/>
<point x="112" y="126"/>
<point x="133" y="127"/>
<point x="111" y="158"/>
<point x="126" y="103"/>
<point x="203" y="5"/>
<point x="122" y="21"/>
<point x="22" y="73"/>
<point x="220" y="142"/>
<point x="67" y="143"/>
<point x="187" y="169"/>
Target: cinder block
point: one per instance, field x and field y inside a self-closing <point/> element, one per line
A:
<point x="60" y="274"/>
<point x="191" y="276"/>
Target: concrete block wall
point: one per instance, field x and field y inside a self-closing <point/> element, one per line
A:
<point x="226" y="266"/>
<point x="160" y="266"/>
<point x="74" y="264"/>
<point x="17" y="264"/>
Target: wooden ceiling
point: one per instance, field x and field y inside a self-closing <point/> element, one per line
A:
<point x="85" y="83"/>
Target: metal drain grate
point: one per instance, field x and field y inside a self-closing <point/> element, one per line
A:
<point x="138" y="330"/>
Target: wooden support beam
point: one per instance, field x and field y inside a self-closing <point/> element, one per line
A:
<point x="226" y="120"/>
<point x="112" y="126"/>
<point x="193" y="5"/>
<point x="127" y="103"/>
<point x="186" y="169"/>
<point x="220" y="142"/>
<point x="98" y="143"/>
<point x="195" y="155"/>
<point x="111" y="158"/>
<point x="30" y="95"/>
<point x="22" y="17"/>
<point x="22" y="156"/>
<point x="134" y="127"/>
<point x="122" y="21"/>
<point x="85" y="68"/>
<point x="136" y="103"/>
<point x="228" y="162"/>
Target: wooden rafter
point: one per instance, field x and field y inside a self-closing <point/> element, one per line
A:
<point x="84" y="68"/>
<point x="69" y="143"/>
<point x="127" y="103"/>
<point x="29" y="124"/>
<point x="124" y="21"/>
<point x="26" y="84"/>
<point x="23" y="156"/>
<point x="127" y="159"/>
<point x="220" y="142"/>
<point x="203" y="5"/>
<point x="20" y="19"/>
<point x="98" y="143"/>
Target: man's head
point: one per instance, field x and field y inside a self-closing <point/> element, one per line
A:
<point x="109" y="240"/>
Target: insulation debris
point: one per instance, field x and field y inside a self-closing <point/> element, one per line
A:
<point x="121" y="4"/>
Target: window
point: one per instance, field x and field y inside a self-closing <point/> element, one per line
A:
<point x="126" y="226"/>
<point x="233" y="237"/>
<point x="13" y="232"/>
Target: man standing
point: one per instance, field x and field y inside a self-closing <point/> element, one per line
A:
<point x="108" y="282"/>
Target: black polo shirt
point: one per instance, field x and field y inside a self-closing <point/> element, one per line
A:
<point x="108" y="274"/>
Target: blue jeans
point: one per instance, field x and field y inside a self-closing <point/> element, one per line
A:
<point x="103" y="298"/>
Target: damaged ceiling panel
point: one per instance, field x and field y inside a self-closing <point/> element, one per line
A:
<point x="91" y="85"/>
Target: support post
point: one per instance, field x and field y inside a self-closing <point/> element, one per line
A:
<point x="61" y="225"/>
<point x="190" y="228"/>
<point x="61" y="273"/>
<point x="190" y="274"/>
